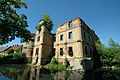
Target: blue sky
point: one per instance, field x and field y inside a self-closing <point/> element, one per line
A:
<point x="103" y="16"/>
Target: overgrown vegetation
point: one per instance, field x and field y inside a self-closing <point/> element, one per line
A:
<point x="13" y="58"/>
<point x="55" y="65"/>
<point x="47" y="22"/>
<point x="109" y="55"/>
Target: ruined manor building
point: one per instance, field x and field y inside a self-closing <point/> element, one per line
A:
<point x="73" y="40"/>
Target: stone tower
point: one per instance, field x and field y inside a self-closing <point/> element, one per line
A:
<point x="27" y="50"/>
<point x="42" y="45"/>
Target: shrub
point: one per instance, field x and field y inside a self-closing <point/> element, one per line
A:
<point x="54" y="61"/>
<point x="66" y="63"/>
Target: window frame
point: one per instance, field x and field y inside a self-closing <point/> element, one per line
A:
<point x="70" y="35"/>
<point x="61" y="37"/>
<point x="38" y="38"/>
<point x="61" y="51"/>
<point x="70" y="24"/>
<point x="70" y="51"/>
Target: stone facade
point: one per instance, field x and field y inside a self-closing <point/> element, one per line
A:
<point x="27" y="50"/>
<point x="42" y="46"/>
<point x="73" y="40"/>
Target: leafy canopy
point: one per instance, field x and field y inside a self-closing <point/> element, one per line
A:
<point x="13" y="24"/>
<point x="110" y="55"/>
<point x="47" y="22"/>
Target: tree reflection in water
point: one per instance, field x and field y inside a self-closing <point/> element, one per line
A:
<point x="23" y="72"/>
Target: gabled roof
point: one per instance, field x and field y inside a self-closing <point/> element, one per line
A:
<point x="3" y="48"/>
<point x="16" y="47"/>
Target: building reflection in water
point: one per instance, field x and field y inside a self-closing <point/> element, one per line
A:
<point x="35" y="73"/>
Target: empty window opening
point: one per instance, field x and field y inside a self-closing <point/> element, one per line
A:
<point x="70" y="35"/>
<point x="61" y="51"/>
<point x="38" y="39"/>
<point x="70" y="51"/>
<point x="84" y="35"/>
<point x="86" y="52"/>
<point x="54" y="39"/>
<point x="89" y="39"/>
<point x="91" y="54"/>
<point x="70" y="24"/>
<point x="37" y="51"/>
<point x="61" y="37"/>
<point x="31" y="53"/>
<point x="39" y="30"/>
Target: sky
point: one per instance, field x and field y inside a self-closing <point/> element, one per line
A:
<point x="103" y="16"/>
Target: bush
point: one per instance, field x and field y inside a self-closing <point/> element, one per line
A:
<point x="12" y="58"/>
<point x="54" y="61"/>
<point x="54" y="64"/>
<point x="66" y="63"/>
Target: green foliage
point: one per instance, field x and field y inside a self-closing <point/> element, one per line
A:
<point x="20" y="50"/>
<point x="71" y="53"/>
<point x="110" y="55"/>
<point x="12" y="58"/>
<point x="54" y="61"/>
<point x="47" y="22"/>
<point x="10" y="50"/>
<point x="55" y="65"/>
<point x="61" y="52"/>
<point x="66" y="63"/>
<point x="13" y="24"/>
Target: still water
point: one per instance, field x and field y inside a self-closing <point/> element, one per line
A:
<point x="23" y="72"/>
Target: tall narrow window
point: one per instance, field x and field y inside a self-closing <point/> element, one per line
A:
<point x="38" y="39"/>
<point x="39" y="30"/>
<point x="86" y="54"/>
<point x="70" y="51"/>
<point x="61" y="51"/>
<point x="91" y="54"/>
<point x="70" y="35"/>
<point x="70" y="24"/>
<point x="61" y="37"/>
<point x="54" y="39"/>
<point x="37" y="51"/>
<point x="84" y="36"/>
<point x="89" y="39"/>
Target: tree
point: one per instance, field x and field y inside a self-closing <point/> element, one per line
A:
<point x="10" y="50"/>
<point x="47" y="22"/>
<point x="13" y="24"/>
<point x="110" y="55"/>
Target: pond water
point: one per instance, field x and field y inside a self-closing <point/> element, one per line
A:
<point x="23" y="72"/>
